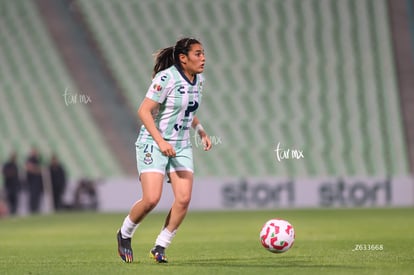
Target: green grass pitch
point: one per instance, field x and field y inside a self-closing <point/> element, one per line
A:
<point x="213" y="243"/>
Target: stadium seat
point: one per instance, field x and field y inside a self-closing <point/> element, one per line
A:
<point x="316" y="76"/>
<point x="33" y="110"/>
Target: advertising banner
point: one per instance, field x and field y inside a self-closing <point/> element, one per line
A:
<point x="269" y="193"/>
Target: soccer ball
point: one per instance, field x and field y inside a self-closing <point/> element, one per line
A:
<point x="277" y="235"/>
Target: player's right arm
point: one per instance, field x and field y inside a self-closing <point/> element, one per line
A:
<point x="145" y="112"/>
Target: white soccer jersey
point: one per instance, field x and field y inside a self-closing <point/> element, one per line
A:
<point x="179" y="100"/>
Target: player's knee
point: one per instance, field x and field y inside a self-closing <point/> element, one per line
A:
<point x="151" y="203"/>
<point x="183" y="201"/>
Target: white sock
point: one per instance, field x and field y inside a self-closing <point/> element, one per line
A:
<point x="165" y="237"/>
<point x="128" y="228"/>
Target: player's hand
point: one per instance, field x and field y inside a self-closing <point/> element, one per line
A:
<point x="167" y="149"/>
<point x="205" y="140"/>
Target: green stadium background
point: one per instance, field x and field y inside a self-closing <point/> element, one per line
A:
<point x="316" y="76"/>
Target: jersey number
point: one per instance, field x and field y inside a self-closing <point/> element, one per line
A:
<point x="148" y="148"/>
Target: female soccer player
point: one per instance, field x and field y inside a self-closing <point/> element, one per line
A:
<point x="163" y="145"/>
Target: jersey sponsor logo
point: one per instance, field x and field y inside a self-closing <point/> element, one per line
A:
<point x="178" y="127"/>
<point x="192" y="107"/>
<point x="157" y="87"/>
<point x="181" y="90"/>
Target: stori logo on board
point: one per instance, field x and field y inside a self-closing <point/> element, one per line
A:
<point x="262" y="193"/>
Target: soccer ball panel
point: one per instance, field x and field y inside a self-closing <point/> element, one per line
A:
<point x="277" y="235"/>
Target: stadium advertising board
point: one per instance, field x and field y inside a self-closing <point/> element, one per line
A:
<point x="270" y="193"/>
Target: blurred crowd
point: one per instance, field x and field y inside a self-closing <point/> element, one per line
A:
<point x="33" y="178"/>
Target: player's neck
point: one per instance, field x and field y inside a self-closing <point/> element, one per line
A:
<point x="190" y="76"/>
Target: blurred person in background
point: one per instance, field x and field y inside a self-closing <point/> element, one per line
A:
<point x="57" y="180"/>
<point x="34" y="180"/>
<point x="163" y="146"/>
<point x="86" y="197"/>
<point x="11" y="183"/>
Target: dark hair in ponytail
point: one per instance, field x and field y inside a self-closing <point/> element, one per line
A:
<point x="169" y="56"/>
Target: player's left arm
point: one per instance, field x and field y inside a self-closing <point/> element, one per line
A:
<point x="205" y="139"/>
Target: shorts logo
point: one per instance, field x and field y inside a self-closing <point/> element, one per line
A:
<point x="148" y="159"/>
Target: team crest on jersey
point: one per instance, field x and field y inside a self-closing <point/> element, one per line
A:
<point x="148" y="159"/>
<point x="157" y="87"/>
